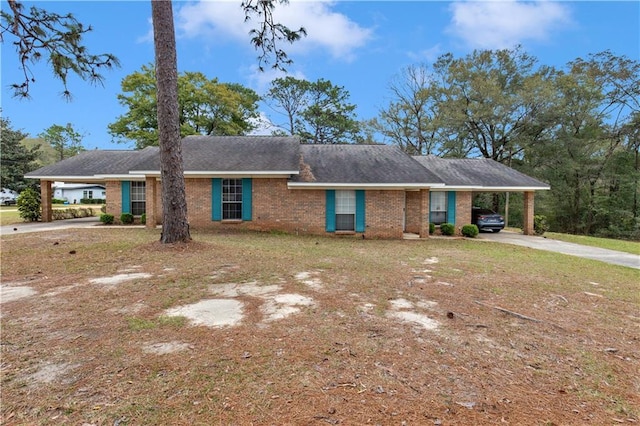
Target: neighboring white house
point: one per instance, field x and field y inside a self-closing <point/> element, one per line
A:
<point x="8" y="196"/>
<point x="74" y="192"/>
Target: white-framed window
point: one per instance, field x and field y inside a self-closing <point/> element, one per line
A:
<point x="345" y="210"/>
<point x="87" y="194"/>
<point x="138" y="199"/>
<point x="231" y="199"/>
<point x="438" y="207"/>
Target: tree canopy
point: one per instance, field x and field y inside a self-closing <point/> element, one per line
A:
<point x="576" y="128"/>
<point x="206" y="107"/>
<point x="319" y="112"/>
<point x="17" y="160"/>
<point x="65" y="140"/>
<point x="40" y="34"/>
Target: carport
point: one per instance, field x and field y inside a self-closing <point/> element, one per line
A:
<point x="464" y="177"/>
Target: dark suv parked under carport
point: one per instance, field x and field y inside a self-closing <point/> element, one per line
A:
<point x="487" y="220"/>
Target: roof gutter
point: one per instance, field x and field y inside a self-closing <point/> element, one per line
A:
<point x="387" y="186"/>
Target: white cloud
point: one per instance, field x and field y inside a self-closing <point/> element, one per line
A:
<point x="429" y="55"/>
<point x="223" y="21"/>
<point x="506" y="23"/>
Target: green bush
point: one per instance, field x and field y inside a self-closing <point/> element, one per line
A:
<point x="58" y="201"/>
<point x="540" y="225"/>
<point x="432" y="228"/>
<point x="143" y="218"/>
<point x="448" y="229"/>
<point x="71" y="213"/>
<point x="92" y="200"/>
<point x="470" y="231"/>
<point x="29" y="206"/>
<point x="126" y="218"/>
<point x="106" y="218"/>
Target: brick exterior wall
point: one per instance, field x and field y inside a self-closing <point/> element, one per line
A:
<point x="297" y="211"/>
<point x="114" y="198"/>
<point x="384" y="214"/>
<point x="275" y="207"/>
<point x="424" y="213"/>
<point x="464" y="200"/>
<point x="413" y="212"/>
<point x="198" y="193"/>
<point x="528" y="214"/>
<point x="46" y="195"/>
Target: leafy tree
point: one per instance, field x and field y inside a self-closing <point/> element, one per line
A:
<point x="58" y="38"/>
<point x="206" y="107"/>
<point x="65" y="140"/>
<point x="589" y="156"/>
<point x="318" y="111"/>
<point x="16" y="160"/>
<point x="411" y="118"/>
<point x="28" y="203"/>
<point x="288" y="95"/>
<point x="488" y="101"/>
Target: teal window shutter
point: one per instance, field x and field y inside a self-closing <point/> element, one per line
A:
<point x="125" y="189"/>
<point x="216" y="199"/>
<point x="246" y="198"/>
<point x="451" y="207"/>
<point x="360" y="213"/>
<point x="331" y="210"/>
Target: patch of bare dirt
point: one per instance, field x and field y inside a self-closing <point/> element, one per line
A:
<point x="285" y="330"/>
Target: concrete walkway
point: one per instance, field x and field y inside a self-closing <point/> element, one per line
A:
<point x="541" y="243"/>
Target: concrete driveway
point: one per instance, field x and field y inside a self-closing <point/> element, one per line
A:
<point x="541" y="243"/>
<point x="21" y="228"/>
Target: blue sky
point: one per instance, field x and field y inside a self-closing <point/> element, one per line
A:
<point x="359" y="45"/>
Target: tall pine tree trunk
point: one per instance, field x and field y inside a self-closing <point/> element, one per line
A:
<point x="175" y="227"/>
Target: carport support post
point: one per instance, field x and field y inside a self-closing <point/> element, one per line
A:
<point x="424" y="213"/>
<point x="46" y="200"/>
<point x="151" y="189"/>
<point x="528" y="213"/>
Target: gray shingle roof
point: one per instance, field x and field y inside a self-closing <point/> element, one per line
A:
<point x="322" y="164"/>
<point x="234" y="154"/>
<point x="365" y="164"/>
<point x="96" y="162"/>
<point x="477" y="172"/>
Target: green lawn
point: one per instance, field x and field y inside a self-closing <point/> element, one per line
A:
<point x="606" y="243"/>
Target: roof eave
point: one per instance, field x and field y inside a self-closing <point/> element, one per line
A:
<point x="226" y="173"/>
<point x="63" y="178"/>
<point x="512" y="188"/>
<point x="384" y="186"/>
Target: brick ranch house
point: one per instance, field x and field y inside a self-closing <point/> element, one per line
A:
<point x="275" y="183"/>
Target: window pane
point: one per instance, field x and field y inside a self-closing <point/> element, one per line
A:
<point x="137" y="191"/>
<point x="138" y="200"/>
<point x="231" y="199"/>
<point x="345" y="202"/>
<point x="345" y="222"/>
<point x="438" y="217"/>
<point x="232" y="210"/>
<point x="137" y="208"/>
<point x="438" y="202"/>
